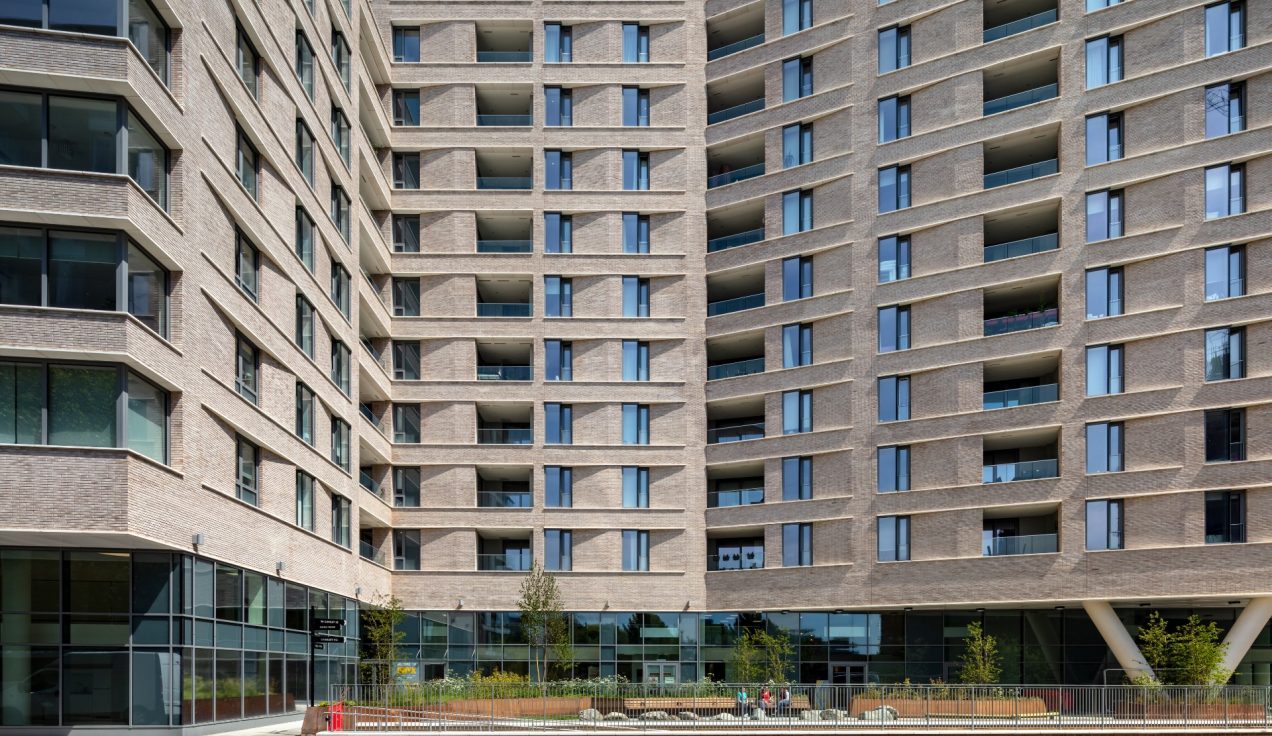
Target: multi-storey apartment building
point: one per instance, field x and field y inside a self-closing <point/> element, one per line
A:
<point x="857" y="322"/>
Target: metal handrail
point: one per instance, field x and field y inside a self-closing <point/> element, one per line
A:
<point x="1028" y="470"/>
<point x="1024" y="544"/>
<point x="1022" y="396"/>
<point x="736" y="368"/>
<point x="1019" y="322"/>
<point x="735" y="47"/>
<point x="736" y="304"/>
<point x="737" y="175"/>
<point x="1022" y="247"/>
<point x="735" y="433"/>
<point x="728" y="113"/>
<point x="509" y="121"/>
<point x="1020" y="26"/>
<point x="504" y="246"/>
<point x="1018" y="174"/>
<point x="1020" y="99"/>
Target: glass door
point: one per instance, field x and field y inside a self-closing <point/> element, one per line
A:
<point x="661" y="674"/>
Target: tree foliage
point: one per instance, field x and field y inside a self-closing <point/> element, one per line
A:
<point x="759" y="656"/>
<point x="382" y="618"/>
<point x="544" y="623"/>
<point x="1190" y="654"/>
<point x="982" y="664"/>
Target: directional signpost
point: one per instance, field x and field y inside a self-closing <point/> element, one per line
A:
<point x="321" y="631"/>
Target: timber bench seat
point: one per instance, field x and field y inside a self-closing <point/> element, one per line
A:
<point x="678" y="704"/>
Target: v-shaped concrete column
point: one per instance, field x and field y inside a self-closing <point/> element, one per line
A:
<point x="1244" y="630"/>
<point x="1115" y="635"/>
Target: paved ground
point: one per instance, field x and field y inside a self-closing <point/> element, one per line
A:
<point x="291" y="728"/>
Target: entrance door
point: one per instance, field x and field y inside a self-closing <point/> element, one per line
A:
<point x="848" y="674"/>
<point x="660" y="673"/>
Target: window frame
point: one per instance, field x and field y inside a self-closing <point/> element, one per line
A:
<point x="251" y="393"/>
<point x="306" y="418"/>
<point x="1114" y="523"/>
<point x="241" y="488"/>
<point x="902" y="542"/>
<point x="305" y="500"/>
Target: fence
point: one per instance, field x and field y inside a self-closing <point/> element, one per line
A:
<point x="702" y="707"/>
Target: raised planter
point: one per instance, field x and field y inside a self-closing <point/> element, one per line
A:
<point x="980" y="708"/>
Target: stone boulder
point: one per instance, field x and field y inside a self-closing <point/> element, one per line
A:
<point x="589" y="714"/>
<point x="655" y="715"/>
<point x="615" y="716"/>
<point x="882" y="713"/>
<point x="810" y="715"/>
<point x="685" y="715"/>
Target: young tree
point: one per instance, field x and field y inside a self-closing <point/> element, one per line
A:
<point x="1190" y="654"/>
<point x="381" y="634"/>
<point x="759" y="656"/>
<point x="544" y="623"/>
<point x="981" y="662"/>
<point x="1154" y="640"/>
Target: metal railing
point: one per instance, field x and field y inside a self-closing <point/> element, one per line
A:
<point x="1021" y="396"/>
<point x="504" y="499"/>
<point x="737" y="497"/>
<point x="737" y="304"/>
<point x="1020" y="26"/>
<point x="369" y="552"/>
<point x="735" y="369"/>
<point x="1018" y="174"/>
<point x="504" y="561"/>
<point x="507" y="121"/>
<point x="504" y="57"/>
<point x="735" y="47"/>
<point x="505" y="246"/>
<point x="504" y="373"/>
<point x="735" y="561"/>
<point x="697" y="707"/>
<point x="503" y="309"/>
<point x="1025" y="544"/>
<point x="728" y="113"/>
<point x="369" y="483"/>
<point x="1028" y="470"/>
<point x="724" y="242"/>
<point x="1018" y="322"/>
<point x="731" y="177"/>
<point x="1020" y="99"/>
<point x="505" y="182"/>
<point x="505" y="436"/>
<point x="735" y="433"/>
<point x="1022" y="247"/>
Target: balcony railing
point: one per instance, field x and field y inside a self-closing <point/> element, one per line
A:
<point x="505" y="246"/>
<point x="1026" y="544"/>
<point x="369" y="415"/>
<point x="1020" y="26"/>
<point x="503" y="309"/>
<point x="1019" y="322"/>
<point x="505" y="436"/>
<point x="737" y="304"/>
<point x="739" y="497"/>
<point x="1029" y="470"/>
<point x="369" y="483"/>
<point x="1021" y="396"/>
<point x="504" y="499"/>
<point x="504" y="57"/>
<point x="735" y="47"/>
<point x="366" y="345"/>
<point x="1021" y="173"/>
<point x="744" y="561"/>
<point x="735" y="433"/>
<point x="505" y="561"/>
<point x="730" y="177"/>
<point x="1023" y="247"/>
<point x="507" y="121"/>
<point x="1020" y="99"/>
<point x="504" y="182"/>
<point x="724" y="242"/>
<point x="504" y="373"/>
<point x="728" y="113"/>
<point x="735" y="369"/>
<point x="369" y="552"/>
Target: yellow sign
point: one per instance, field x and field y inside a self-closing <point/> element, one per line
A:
<point x="405" y="670"/>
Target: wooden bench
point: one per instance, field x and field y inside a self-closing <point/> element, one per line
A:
<point x="675" y="705"/>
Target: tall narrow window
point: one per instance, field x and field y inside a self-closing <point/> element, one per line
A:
<point x="406" y="45"/>
<point x="1225" y="190"/>
<point x="406" y="549"/>
<point x="558" y="233"/>
<point x="797" y="211"/>
<point x="406" y="297"/>
<point x="1103" y="138"/>
<point x="305" y="151"/>
<point x="340" y="442"/>
<point x="247" y="362"/>
<point x="305" y="238"/>
<point x="304" y="413"/>
<point x="1104" y="215"/>
<point x="635" y="107"/>
<point x="305" y="65"/>
<point x="247" y="480"/>
<point x="406" y="233"/>
<point x="797" y="278"/>
<point x="797" y="78"/>
<point x="406" y="170"/>
<point x="894" y="258"/>
<point x="341" y="516"/>
<point x="558" y="170"/>
<point x="797" y="478"/>
<point x="406" y="107"/>
<point x="635" y="360"/>
<point x="305" y="325"/>
<point x="340" y="133"/>
<point x="1103" y="61"/>
<point x="340" y="211"/>
<point x="797" y="545"/>
<point x="406" y="360"/>
<point x="1225" y="109"/>
<point x="894" y="188"/>
<point x="893" y="469"/>
<point x="558" y="297"/>
<point x="635" y="424"/>
<point x="558" y="43"/>
<point x="893" y="538"/>
<point x="635" y="550"/>
<point x="797" y="15"/>
<point x="1104" y="370"/>
<point x="342" y="58"/>
<point x="1104" y="447"/>
<point x="797" y="345"/>
<point x="797" y="145"/>
<point x="635" y="296"/>
<point x="340" y="288"/>
<point x="797" y="412"/>
<point x="247" y="164"/>
<point x="1225" y="517"/>
<point x="894" y="118"/>
<point x="1225" y="435"/>
<point x="894" y="329"/>
<point x="248" y="63"/>
<point x="635" y="43"/>
<point x="894" y="398"/>
<point x="406" y="423"/>
<point x="558" y="105"/>
<point x="635" y="171"/>
<point x="304" y="500"/>
<point x="558" y="487"/>
<point x="1225" y="272"/>
<point x="406" y="487"/>
<point x="635" y="232"/>
<point x="558" y="550"/>
<point x="247" y="265"/>
<point x="340" y="365"/>
<point x="558" y="360"/>
<point x="1103" y="292"/>
<point x="894" y="48"/>
<point x="1225" y="27"/>
<point x="1104" y="524"/>
<point x="1225" y="353"/>
<point x="635" y="487"/>
<point x="558" y="420"/>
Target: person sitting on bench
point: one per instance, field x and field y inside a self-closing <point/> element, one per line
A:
<point x="784" y="700"/>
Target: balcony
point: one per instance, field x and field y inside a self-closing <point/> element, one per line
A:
<point x="1020" y="25"/>
<point x="504" y="233"/>
<point x="1020" y="99"/>
<point x="370" y="483"/>
<point x="736" y="304"/>
<point x="733" y="48"/>
<point x="504" y="121"/>
<point x="1021" y="231"/>
<point x="735" y="175"/>
<point x="735" y="111"/>
<point x="724" y="242"/>
<point x="504" y="42"/>
<point x="735" y="553"/>
<point x="505" y="435"/>
<point x="736" y="497"/>
<point x="505" y="246"/>
<point x="505" y="57"/>
<point x="1023" y="396"/>
<point x="735" y="432"/>
<point x="1020" y="322"/>
<point x="504" y="500"/>
<point x="504" y="297"/>
<point x="504" y="169"/>
<point x="735" y="368"/>
<point x="1018" y="174"/>
<point x="505" y="182"/>
<point x="1022" y="247"/>
<point x="735" y="30"/>
<point x="368" y="551"/>
<point x="1027" y="544"/>
<point x="504" y="105"/>
<point x="510" y="561"/>
<point x="1027" y="470"/>
<point x="1021" y="156"/>
<point x="504" y="373"/>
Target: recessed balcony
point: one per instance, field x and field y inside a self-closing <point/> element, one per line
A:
<point x="1021" y="381"/>
<point x="1020" y="307"/>
<point x="740" y="485"/>
<point x="500" y="487"/>
<point x="735" y="162"/>
<point x="736" y="553"/>
<point x="504" y="361"/>
<point x="504" y="105"/>
<point x="499" y="553"/>
<point x="504" y="42"/>
<point x="1003" y="19"/>
<point x="1018" y="456"/>
<point x="735" y="97"/>
<point x="737" y="31"/>
<point x="503" y="297"/>
<point x="1016" y="531"/>
<point x="1021" y="157"/>
<point x="500" y="233"/>
<point x="731" y="357"/>
<point x="735" y="291"/>
<point x="1021" y="82"/>
<point x="505" y="424"/>
<point x="735" y="421"/>
<point x="735" y="226"/>
<point x="505" y="169"/>
<point x="1021" y="232"/>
